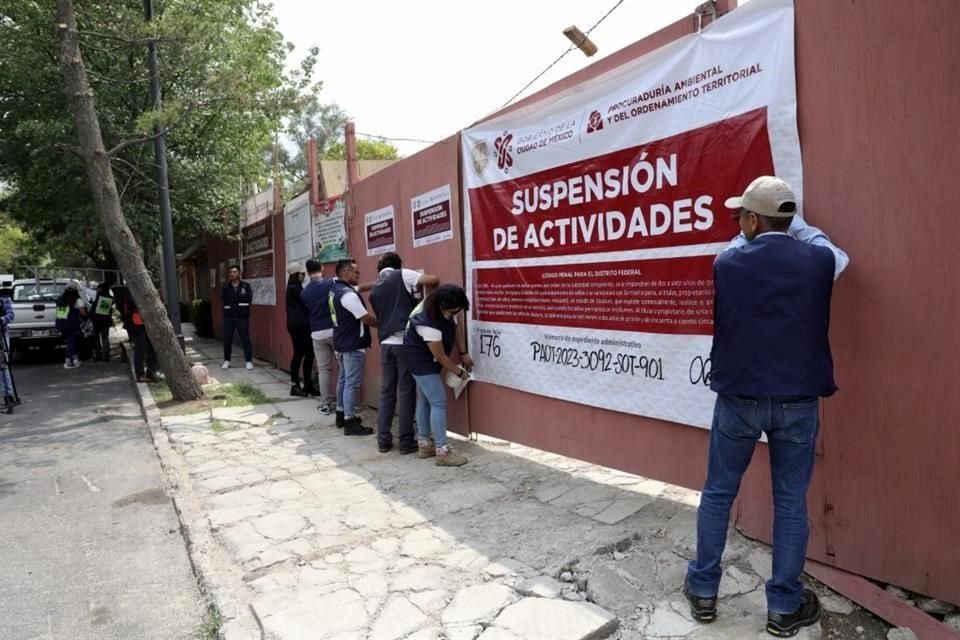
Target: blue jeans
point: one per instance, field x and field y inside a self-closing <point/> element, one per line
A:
<point x="432" y="409"/>
<point x="349" y="381"/>
<point x="70" y="340"/>
<point x="791" y="425"/>
<point x="241" y="326"/>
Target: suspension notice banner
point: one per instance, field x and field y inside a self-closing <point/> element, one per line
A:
<point x="592" y="219"/>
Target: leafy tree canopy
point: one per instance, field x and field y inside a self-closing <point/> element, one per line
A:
<point x="224" y="95"/>
<point x="366" y="150"/>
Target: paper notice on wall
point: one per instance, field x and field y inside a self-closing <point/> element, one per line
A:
<point x="258" y="265"/>
<point x="592" y="220"/>
<point x="431" y="217"/>
<point x="380" y="231"/>
<point x="330" y="232"/>
<point x="298" y="229"/>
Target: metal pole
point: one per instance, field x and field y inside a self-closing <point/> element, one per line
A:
<point x="170" y="284"/>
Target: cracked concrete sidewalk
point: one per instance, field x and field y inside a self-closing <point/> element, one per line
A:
<point x="300" y="532"/>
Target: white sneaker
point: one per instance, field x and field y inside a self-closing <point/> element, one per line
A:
<point x="249" y="366"/>
<point x="225" y="365"/>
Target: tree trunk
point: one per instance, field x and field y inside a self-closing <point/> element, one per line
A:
<point x="123" y="244"/>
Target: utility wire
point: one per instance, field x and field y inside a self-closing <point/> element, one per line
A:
<point x="373" y="135"/>
<point x="562" y="55"/>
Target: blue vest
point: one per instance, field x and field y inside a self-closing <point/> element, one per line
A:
<point x="316" y="296"/>
<point x="392" y="303"/>
<point x="349" y="334"/>
<point x="236" y="299"/>
<point x="771" y="319"/>
<point x="415" y="354"/>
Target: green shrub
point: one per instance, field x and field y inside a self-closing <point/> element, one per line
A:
<point x="202" y="318"/>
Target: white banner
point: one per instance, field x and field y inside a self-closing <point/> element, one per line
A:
<point x="298" y="228"/>
<point x="592" y="219"/>
<point x="380" y="231"/>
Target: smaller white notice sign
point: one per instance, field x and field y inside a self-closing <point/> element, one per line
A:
<point x="297" y="229"/>
<point x="432" y="218"/>
<point x="380" y="230"/>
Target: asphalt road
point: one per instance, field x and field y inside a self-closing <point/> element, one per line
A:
<point x="90" y="546"/>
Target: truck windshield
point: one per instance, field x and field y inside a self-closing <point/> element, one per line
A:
<point x="42" y="292"/>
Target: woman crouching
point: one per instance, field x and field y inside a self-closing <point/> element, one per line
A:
<point x="430" y="337"/>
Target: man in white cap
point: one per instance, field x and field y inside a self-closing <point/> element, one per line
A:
<point x="771" y="363"/>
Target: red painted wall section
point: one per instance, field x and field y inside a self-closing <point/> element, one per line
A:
<point x="226" y="251"/>
<point x="879" y="177"/>
<point x="268" y="324"/>
<point x="397" y="184"/>
<point x="880" y="168"/>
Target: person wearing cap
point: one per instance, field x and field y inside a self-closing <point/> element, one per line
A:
<point x="298" y="326"/>
<point x="237" y="296"/>
<point x="392" y="299"/>
<point x="771" y="363"/>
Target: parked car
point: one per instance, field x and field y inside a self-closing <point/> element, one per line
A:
<point x="35" y="306"/>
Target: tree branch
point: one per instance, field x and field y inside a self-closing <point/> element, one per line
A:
<point x="107" y="36"/>
<point x="68" y="148"/>
<point x="138" y="140"/>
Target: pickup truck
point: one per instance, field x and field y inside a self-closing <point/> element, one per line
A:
<point x="35" y="307"/>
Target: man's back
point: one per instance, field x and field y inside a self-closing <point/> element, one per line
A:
<point x="392" y="303"/>
<point x="771" y="319"/>
<point x="316" y="295"/>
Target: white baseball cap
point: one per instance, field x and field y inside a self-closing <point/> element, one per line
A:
<point x="766" y="196"/>
<point x="295" y="267"/>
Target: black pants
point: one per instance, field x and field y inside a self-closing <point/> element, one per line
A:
<point x="142" y="347"/>
<point x="102" y="341"/>
<point x="302" y="356"/>
<point x="241" y="326"/>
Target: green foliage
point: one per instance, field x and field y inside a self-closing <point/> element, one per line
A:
<point x="201" y="315"/>
<point x="366" y="150"/>
<point x="224" y="94"/>
<point x="18" y="250"/>
<point x="210" y="625"/>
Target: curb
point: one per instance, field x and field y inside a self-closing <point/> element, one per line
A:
<point x="237" y="621"/>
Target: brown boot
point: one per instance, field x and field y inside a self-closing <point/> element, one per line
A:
<point x="426" y="449"/>
<point x="448" y="458"/>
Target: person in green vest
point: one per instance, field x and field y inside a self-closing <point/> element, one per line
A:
<point x="102" y="321"/>
<point x="71" y="310"/>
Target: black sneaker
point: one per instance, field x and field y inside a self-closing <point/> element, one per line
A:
<point x="353" y="427"/>
<point x="340" y="420"/>
<point x="786" y="625"/>
<point x="384" y="448"/>
<point x="406" y="449"/>
<point x="702" y="609"/>
<point x="295" y="390"/>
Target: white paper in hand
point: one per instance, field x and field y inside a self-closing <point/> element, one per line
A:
<point x="457" y="383"/>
